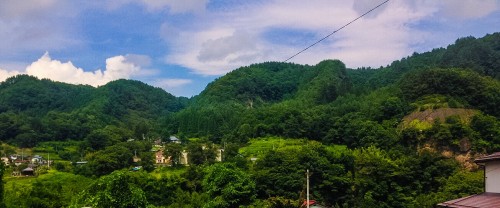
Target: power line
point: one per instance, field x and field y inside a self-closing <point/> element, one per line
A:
<point x="336" y="30"/>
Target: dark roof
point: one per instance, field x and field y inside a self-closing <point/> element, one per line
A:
<point x="484" y="200"/>
<point x="28" y="170"/>
<point x="492" y="157"/>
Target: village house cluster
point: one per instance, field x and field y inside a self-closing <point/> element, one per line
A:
<point x="26" y="165"/>
<point x="161" y="160"/>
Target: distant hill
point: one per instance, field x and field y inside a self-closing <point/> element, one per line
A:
<point x="333" y="104"/>
<point x="326" y="102"/>
<point x="33" y="110"/>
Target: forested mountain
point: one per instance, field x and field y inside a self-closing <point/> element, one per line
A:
<point x="298" y="101"/>
<point x="33" y="110"/>
<point x="403" y="135"/>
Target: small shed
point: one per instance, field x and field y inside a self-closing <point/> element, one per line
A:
<point x="28" y="172"/>
<point x="174" y="139"/>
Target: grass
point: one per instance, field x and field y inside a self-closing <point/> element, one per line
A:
<point x="162" y="172"/>
<point x="260" y="146"/>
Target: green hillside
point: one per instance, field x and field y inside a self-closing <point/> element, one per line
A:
<point x="403" y="135"/>
<point x="33" y="110"/>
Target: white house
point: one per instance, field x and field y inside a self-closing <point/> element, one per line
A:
<point x="6" y="160"/>
<point x="174" y="139"/>
<point x="37" y="159"/>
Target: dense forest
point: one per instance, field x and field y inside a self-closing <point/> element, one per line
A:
<point x="403" y="135"/>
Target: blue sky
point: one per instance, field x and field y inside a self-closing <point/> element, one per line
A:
<point x="182" y="45"/>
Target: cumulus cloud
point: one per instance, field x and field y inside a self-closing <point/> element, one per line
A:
<point x="139" y="59"/>
<point x="176" y="6"/>
<point x="36" y="25"/>
<point x="236" y="38"/>
<point x="117" y="67"/>
<point x="171" y="83"/>
<point x="4" y="74"/>
<point x="467" y="9"/>
<point x="173" y="6"/>
<point x="230" y="48"/>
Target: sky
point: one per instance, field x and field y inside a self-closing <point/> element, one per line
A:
<point x="182" y="45"/>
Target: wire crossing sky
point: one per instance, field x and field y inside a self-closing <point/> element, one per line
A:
<point x="336" y="30"/>
<point x="181" y="46"/>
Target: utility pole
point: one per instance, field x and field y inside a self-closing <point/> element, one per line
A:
<point x="307" y="174"/>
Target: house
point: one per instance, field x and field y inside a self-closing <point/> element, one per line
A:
<point x="160" y="158"/>
<point x="136" y="159"/>
<point x="28" y="172"/>
<point x="13" y="157"/>
<point x="184" y="158"/>
<point x="174" y="139"/>
<point x="6" y="160"/>
<point x="491" y="196"/>
<point x="36" y="159"/>
<point x="218" y="158"/>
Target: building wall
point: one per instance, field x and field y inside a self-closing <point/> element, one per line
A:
<point x="493" y="176"/>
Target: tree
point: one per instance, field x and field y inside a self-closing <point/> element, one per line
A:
<point x="2" y="170"/>
<point x="110" y="159"/>
<point x="114" y="190"/>
<point x="228" y="186"/>
<point x="199" y="153"/>
<point x="281" y="173"/>
<point x="174" y="151"/>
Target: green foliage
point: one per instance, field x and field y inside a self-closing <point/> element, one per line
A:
<point x="281" y="173"/>
<point x="201" y="153"/>
<point x="383" y="180"/>
<point x="108" y="160"/>
<point x="488" y="129"/>
<point x="481" y="55"/>
<point x="54" y="189"/>
<point x="114" y="190"/>
<point x="261" y="146"/>
<point x="2" y="186"/>
<point x="376" y="121"/>
<point x="478" y="91"/>
<point x="174" y="151"/>
<point x="228" y="186"/>
<point x="458" y="185"/>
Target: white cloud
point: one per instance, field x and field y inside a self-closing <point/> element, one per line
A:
<point x="4" y="74"/>
<point x="139" y="59"/>
<point x="178" y="87"/>
<point x="177" y="6"/>
<point x="229" y="48"/>
<point x="36" y="25"/>
<point x="171" y="83"/>
<point x="236" y="37"/>
<point x="233" y="39"/>
<point x="117" y="67"/>
<point x="173" y="6"/>
<point x="13" y="10"/>
<point x="469" y="9"/>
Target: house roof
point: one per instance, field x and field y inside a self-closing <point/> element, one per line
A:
<point x="484" y="200"/>
<point x="28" y="170"/>
<point x="487" y="158"/>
